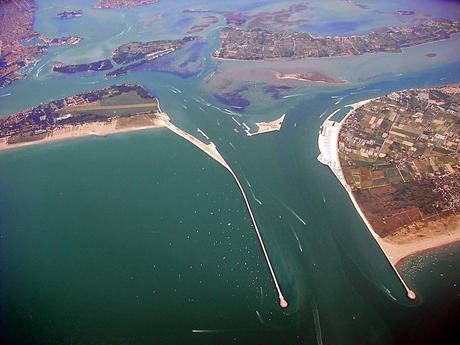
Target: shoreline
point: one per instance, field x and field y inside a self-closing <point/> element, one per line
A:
<point x="97" y="129"/>
<point x="162" y="121"/>
<point x="433" y="235"/>
<point x="306" y="58"/>
<point x="405" y="259"/>
<point x="265" y="127"/>
<point x="329" y="155"/>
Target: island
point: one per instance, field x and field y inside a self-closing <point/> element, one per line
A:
<point x="61" y="41"/>
<point x="259" y="44"/>
<point x="93" y="66"/>
<point x="314" y="77"/>
<point x="124" y="3"/>
<point x="70" y="14"/>
<point x="21" y="46"/>
<point x="206" y="22"/>
<point x="117" y="108"/>
<point x="129" y="55"/>
<point x="133" y="51"/>
<point x="265" y="127"/>
<point x="397" y="157"/>
<point x="262" y="127"/>
<point x="139" y="53"/>
<point x="405" y="13"/>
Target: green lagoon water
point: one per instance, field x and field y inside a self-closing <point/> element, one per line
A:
<point x="141" y="238"/>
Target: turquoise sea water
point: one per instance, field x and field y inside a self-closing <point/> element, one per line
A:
<point x="141" y="238"/>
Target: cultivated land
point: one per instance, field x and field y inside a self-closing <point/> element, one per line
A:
<point x="398" y="157"/>
<point x="114" y="109"/>
<point x="258" y="44"/>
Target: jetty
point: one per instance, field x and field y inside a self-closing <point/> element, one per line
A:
<point x="211" y="150"/>
<point x="328" y="140"/>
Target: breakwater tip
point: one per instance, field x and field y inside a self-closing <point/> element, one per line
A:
<point x="411" y="295"/>
<point x="283" y="303"/>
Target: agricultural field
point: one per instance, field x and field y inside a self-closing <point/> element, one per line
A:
<point x="400" y="156"/>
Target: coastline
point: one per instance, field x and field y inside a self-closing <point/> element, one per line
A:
<point x="403" y="246"/>
<point x="407" y="258"/>
<point x="162" y="120"/>
<point x="329" y="155"/>
<point x="99" y="129"/>
<point x="265" y="127"/>
<point x="305" y="58"/>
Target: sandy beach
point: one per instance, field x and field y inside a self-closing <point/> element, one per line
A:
<point x="431" y="235"/>
<point x="78" y="131"/>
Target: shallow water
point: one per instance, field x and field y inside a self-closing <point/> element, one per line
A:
<point x="141" y="238"/>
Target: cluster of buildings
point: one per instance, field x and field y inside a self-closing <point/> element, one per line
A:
<point x="20" y="45"/>
<point x="16" y="26"/>
<point x="256" y="44"/>
<point x="45" y="117"/>
<point x="124" y="3"/>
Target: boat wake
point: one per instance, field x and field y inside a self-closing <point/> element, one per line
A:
<point x="39" y="70"/>
<point x="252" y="192"/>
<point x="339" y="100"/>
<point x="387" y="292"/>
<point x="319" y="337"/>
<point x="295" y="95"/>
<point x="210" y="330"/>
<point x="124" y="31"/>
<point x="295" y="214"/>
<point x="297" y="239"/>
<point x="261" y="320"/>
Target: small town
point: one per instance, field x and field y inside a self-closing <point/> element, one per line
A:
<point x="34" y="123"/>
<point x="258" y="44"/>
<point x="20" y="45"/>
<point x="124" y="3"/>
